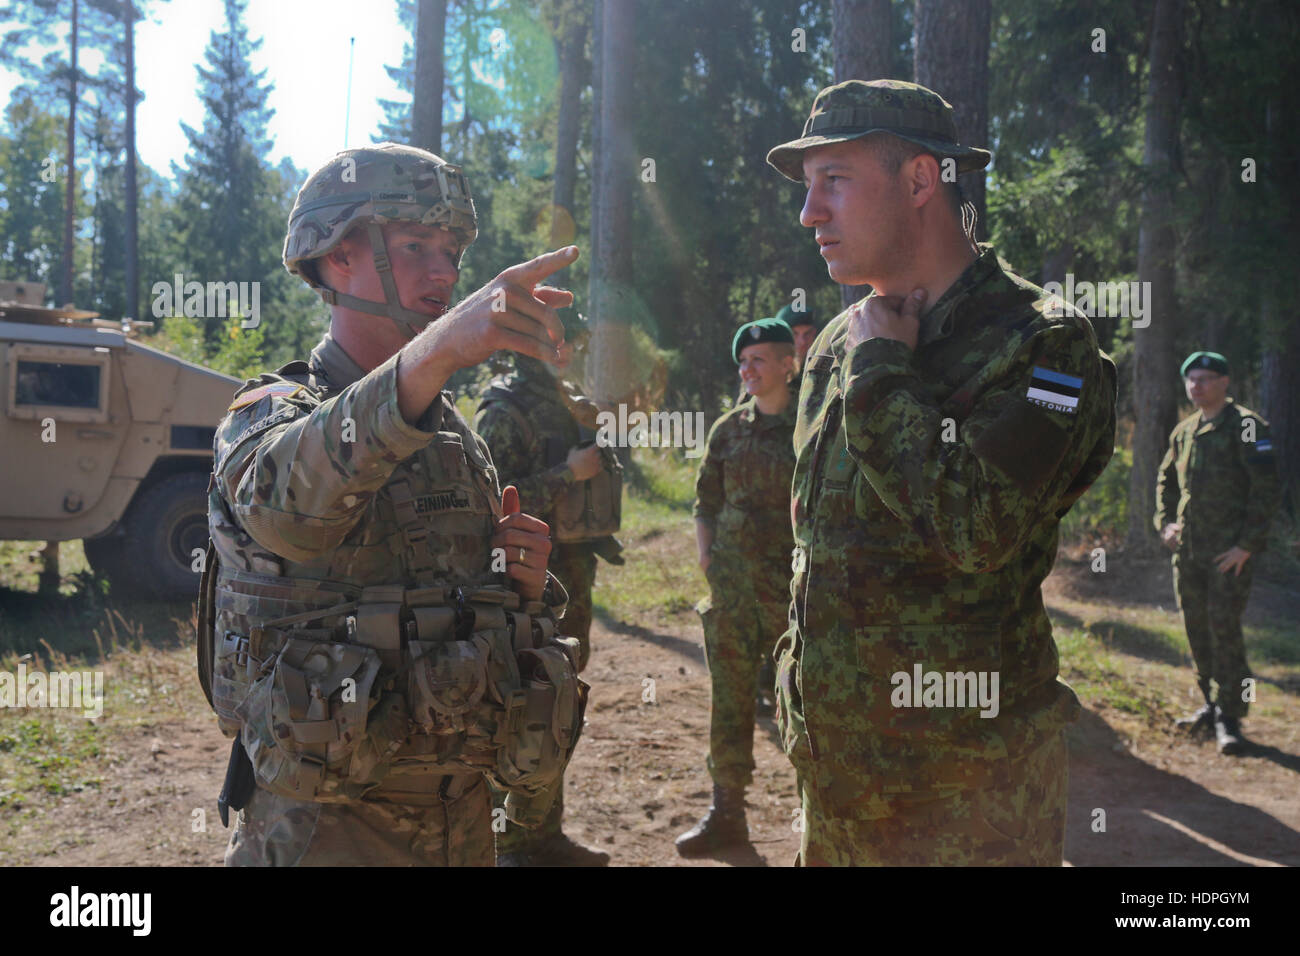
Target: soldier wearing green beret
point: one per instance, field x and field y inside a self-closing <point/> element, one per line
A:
<point x="1216" y="492"/>
<point x="742" y="531"/>
<point x="804" y="328"/>
<point x="946" y="423"/>
<point x="803" y="323"/>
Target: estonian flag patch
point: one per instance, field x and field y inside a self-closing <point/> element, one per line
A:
<point x="1054" y="390"/>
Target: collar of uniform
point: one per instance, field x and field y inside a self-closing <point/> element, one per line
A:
<point x="335" y="365"/>
<point x="940" y="321"/>
<point x="751" y="415"/>
<point x="1203" y="426"/>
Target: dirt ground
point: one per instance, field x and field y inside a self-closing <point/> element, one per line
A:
<point x="638" y="779"/>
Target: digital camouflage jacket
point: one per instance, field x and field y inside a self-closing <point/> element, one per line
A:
<point x="927" y="495"/>
<point x="1219" y="479"/>
<point x="743" y="492"/>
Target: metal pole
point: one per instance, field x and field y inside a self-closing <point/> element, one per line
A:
<point x="347" y="111"/>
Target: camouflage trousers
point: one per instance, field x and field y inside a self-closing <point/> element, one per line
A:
<point x="450" y="825"/>
<point x="739" y="636"/>
<point x="575" y="566"/>
<point x="1019" y="821"/>
<point x="1212" y="604"/>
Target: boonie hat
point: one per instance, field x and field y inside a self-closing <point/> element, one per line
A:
<point x="856" y="108"/>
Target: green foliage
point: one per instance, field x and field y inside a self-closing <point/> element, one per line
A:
<point x="1101" y="515"/>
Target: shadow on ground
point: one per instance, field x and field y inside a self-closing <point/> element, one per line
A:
<point x="1156" y="818"/>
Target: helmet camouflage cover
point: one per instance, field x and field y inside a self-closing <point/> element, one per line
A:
<point x="373" y="185"/>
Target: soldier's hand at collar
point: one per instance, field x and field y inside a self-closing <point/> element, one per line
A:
<point x="527" y="544"/>
<point x="1234" y="559"/>
<point x="887" y="317"/>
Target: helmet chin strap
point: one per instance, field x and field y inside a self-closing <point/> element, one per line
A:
<point x="408" y="322"/>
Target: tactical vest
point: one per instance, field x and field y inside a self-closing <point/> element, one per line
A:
<point x="331" y="685"/>
<point x="589" y="509"/>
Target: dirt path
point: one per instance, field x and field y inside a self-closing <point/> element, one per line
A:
<point x="639" y="779"/>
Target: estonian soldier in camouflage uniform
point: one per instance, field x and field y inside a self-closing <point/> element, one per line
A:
<point x="805" y="328"/>
<point x="530" y="420"/>
<point x="742" y="511"/>
<point x="1216" y="492"/>
<point x="945" y="425"/>
<point x="352" y="478"/>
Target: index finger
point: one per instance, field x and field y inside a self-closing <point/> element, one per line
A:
<point x="536" y="269"/>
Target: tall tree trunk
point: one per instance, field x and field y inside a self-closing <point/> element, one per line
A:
<point x="1155" y="372"/>
<point x="952" y="58"/>
<point x="426" y="106"/>
<point x="131" y="305"/>
<point x="862" y="42"/>
<point x="1279" y="400"/>
<point x="569" y="40"/>
<point x="611" y="271"/>
<point x="70" y="193"/>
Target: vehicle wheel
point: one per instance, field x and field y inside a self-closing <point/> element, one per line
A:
<point x="166" y="522"/>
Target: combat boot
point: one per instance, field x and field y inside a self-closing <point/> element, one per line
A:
<point x="1199" y="724"/>
<point x="557" y="850"/>
<point x="724" y="825"/>
<point x="1227" y="730"/>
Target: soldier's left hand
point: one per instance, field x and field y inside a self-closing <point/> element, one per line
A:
<point x="527" y="545"/>
<point x="887" y="317"/>
<point x="1234" y="559"/>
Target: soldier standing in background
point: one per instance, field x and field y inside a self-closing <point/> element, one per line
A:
<point x="742" y="531"/>
<point x="533" y="421"/>
<point x="1216" y="492"/>
<point x="946" y="424"/>
<point x="805" y="328"/>
<point x="353" y="478"/>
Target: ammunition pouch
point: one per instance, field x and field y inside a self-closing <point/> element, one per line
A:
<point x="593" y="508"/>
<point x="458" y="681"/>
<point x="589" y="509"/>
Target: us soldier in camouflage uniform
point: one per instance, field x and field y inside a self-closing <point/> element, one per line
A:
<point x="354" y="471"/>
<point x="945" y="425"/>
<point x="741" y="512"/>
<point x="1216" y="492"/>
<point x="522" y="418"/>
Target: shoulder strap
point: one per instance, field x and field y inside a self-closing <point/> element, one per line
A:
<point x="207" y="620"/>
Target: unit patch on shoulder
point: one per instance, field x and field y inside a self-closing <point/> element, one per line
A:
<point x="283" y="389"/>
<point x="1054" y="390"/>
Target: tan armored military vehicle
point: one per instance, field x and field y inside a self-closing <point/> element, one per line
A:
<point x="108" y="440"/>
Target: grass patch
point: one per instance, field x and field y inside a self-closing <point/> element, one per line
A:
<point x="1103" y="678"/>
<point x="661" y="576"/>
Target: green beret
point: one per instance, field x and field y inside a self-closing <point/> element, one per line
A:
<point x="792" y="318"/>
<point x="1211" y="360"/>
<point x="760" y="330"/>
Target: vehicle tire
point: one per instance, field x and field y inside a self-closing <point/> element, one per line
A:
<point x="165" y="523"/>
<point x="104" y="555"/>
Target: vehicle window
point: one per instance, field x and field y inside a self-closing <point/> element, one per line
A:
<point x="57" y="383"/>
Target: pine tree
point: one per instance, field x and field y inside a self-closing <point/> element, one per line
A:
<point x="226" y="206"/>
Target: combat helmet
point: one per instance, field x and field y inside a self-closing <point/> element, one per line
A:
<point x="373" y="185"/>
